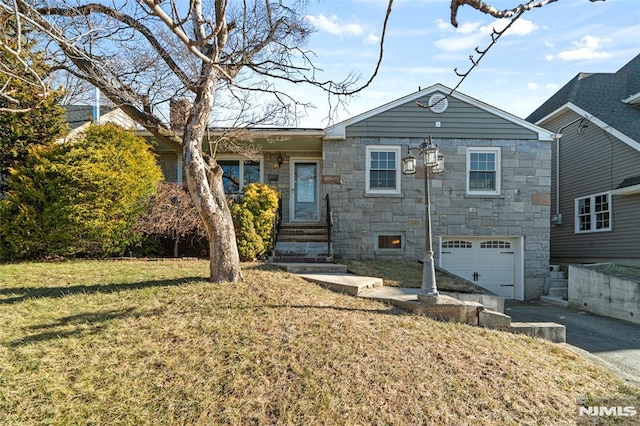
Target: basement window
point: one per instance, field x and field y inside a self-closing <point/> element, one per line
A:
<point x="389" y="242"/>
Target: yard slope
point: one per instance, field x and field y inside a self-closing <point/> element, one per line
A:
<point x="135" y="342"/>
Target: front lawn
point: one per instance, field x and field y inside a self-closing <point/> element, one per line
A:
<point x="139" y="342"/>
<point x="408" y="274"/>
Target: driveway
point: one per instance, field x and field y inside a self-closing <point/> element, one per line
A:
<point x="612" y="343"/>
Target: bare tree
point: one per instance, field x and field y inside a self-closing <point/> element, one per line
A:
<point x="141" y="53"/>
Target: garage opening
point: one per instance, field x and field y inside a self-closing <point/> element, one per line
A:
<point x="490" y="262"/>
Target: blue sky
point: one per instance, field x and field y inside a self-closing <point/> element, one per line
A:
<point x="546" y="48"/>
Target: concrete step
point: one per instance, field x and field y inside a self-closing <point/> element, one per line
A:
<point x="557" y="292"/>
<point x="303" y="230"/>
<point x="555" y="300"/>
<point x="494" y="320"/>
<point x="343" y="282"/>
<point x="294" y="259"/>
<point x="303" y="238"/>
<point x="557" y="275"/>
<point x="556" y="333"/>
<point x="300" y="249"/>
<point x="559" y="282"/>
<point x="312" y="268"/>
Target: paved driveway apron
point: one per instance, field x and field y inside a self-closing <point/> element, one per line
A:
<point x="615" y="344"/>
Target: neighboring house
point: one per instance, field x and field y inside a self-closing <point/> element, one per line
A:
<point x="595" y="195"/>
<point x="80" y="117"/>
<point x="490" y="208"/>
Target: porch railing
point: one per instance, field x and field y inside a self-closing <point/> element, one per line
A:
<point x="329" y="218"/>
<point x="277" y="223"/>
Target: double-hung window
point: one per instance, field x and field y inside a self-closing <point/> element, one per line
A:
<point x="483" y="171"/>
<point x="383" y="169"/>
<point x="593" y="213"/>
<point x="237" y="173"/>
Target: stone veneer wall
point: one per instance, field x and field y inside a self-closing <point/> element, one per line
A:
<point x="522" y="209"/>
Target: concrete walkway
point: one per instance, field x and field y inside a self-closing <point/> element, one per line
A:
<point x="474" y="309"/>
<point x="611" y="343"/>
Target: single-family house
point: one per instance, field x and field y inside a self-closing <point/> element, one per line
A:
<point x="80" y="117"/>
<point x="490" y="208"/>
<point x="595" y="185"/>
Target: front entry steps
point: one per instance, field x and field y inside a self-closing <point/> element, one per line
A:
<point x="302" y="243"/>
<point x="558" y="287"/>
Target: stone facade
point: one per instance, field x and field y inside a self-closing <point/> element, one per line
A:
<point x="521" y="210"/>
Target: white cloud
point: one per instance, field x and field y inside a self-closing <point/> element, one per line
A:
<point x="532" y="86"/>
<point x="465" y="28"/>
<point x="549" y="58"/>
<point x="472" y="34"/>
<point x="372" y="39"/>
<point x="520" y="27"/>
<point x="452" y="44"/>
<point x="333" y="25"/>
<point x="468" y="28"/>
<point x="589" y="47"/>
<point x="442" y="25"/>
<point x="552" y="86"/>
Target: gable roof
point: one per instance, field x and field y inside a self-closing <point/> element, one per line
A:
<point x="338" y="131"/>
<point x="613" y="98"/>
<point x="79" y="115"/>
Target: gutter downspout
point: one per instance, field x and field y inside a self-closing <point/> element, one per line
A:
<point x="557" y="136"/>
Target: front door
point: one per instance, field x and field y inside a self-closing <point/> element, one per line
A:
<point x="304" y="191"/>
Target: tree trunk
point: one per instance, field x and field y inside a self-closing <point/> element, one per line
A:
<point x="176" y="243"/>
<point x="205" y="186"/>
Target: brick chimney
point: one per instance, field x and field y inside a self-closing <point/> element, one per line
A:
<point x="179" y="110"/>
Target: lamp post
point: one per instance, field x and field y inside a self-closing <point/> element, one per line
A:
<point x="434" y="163"/>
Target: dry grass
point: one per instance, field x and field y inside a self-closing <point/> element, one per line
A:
<point x="618" y="270"/>
<point x="151" y="343"/>
<point x="407" y="274"/>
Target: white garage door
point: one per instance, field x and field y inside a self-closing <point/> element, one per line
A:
<point x="488" y="262"/>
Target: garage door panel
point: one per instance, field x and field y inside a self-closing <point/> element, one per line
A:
<point x="488" y="263"/>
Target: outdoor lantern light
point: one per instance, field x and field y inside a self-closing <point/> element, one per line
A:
<point x="430" y="153"/>
<point x="433" y="163"/>
<point x="409" y="164"/>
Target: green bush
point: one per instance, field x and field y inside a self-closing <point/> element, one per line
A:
<point x="253" y="218"/>
<point x="81" y="198"/>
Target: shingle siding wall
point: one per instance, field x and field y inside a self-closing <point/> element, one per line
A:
<point x="593" y="162"/>
<point x="522" y="208"/>
<point x="460" y="120"/>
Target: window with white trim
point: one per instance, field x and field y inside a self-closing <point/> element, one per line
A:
<point x="383" y="169"/>
<point x="593" y="213"/>
<point x="236" y="173"/>
<point x="483" y="171"/>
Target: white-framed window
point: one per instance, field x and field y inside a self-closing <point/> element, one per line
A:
<point x="593" y="213"/>
<point x="483" y="171"/>
<point x="389" y="242"/>
<point x="383" y="169"/>
<point x="238" y="172"/>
